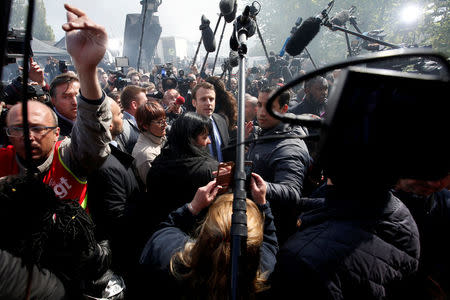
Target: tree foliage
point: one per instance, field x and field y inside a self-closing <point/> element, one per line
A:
<point x="41" y="30"/>
<point x="278" y="17"/>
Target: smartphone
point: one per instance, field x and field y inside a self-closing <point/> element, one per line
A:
<point x="225" y="175"/>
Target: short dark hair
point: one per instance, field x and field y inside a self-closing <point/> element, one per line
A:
<point x="148" y="112"/>
<point x="283" y="99"/>
<point x="128" y="95"/>
<point x="169" y="83"/>
<point x="62" y="79"/>
<point x="205" y="85"/>
<point x="310" y="82"/>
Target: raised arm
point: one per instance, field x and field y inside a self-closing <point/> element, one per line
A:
<point x="86" y="43"/>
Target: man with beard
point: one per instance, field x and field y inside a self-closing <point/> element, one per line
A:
<point x="315" y="100"/>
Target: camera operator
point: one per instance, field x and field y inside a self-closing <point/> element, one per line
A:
<point x="185" y="85"/>
<point x="117" y="81"/>
<point x="51" y="68"/>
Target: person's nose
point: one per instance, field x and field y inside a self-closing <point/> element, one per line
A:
<point x="208" y="140"/>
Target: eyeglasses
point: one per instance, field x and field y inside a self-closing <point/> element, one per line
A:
<point x="161" y="123"/>
<point x="35" y="130"/>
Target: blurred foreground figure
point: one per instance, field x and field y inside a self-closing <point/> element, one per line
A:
<point x="429" y="203"/>
<point x="363" y="243"/>
<point x="198" y="267"/>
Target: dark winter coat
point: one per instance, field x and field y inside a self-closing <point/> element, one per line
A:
<point x="350" y="249"/>
<point x="173" y="235"/>
<point x="173" y="181"/>
<point x="282" y="163"/>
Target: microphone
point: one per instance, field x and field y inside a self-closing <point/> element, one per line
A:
<point x="245" y="24"/>
<point x="340" y="18"/>
<point x="297" y="23"/>
<point x="180" y="100"/>
<point x="228" y="9"/>
<point x="207" y="35"/>
<point x="303" y="36"/>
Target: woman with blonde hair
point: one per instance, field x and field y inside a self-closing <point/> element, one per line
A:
<point x="199" y="266"/>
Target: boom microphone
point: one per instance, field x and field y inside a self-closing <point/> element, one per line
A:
<point x="207" y="35"/>
<point x="340" y="18"/>
<point x="228" y="9"/>
<point x="303" y="36"/>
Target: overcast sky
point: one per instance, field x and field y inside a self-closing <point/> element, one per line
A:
<point x="179" y="18"/>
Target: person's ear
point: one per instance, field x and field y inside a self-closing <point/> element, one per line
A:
<point x="134" y="105"/>
<point x="194" y="103"/>
<point x="57" y="129"/>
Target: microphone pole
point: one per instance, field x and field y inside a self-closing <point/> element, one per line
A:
<point x="310" y="58"/>
<point x="207" y="53"/>
<point x="244" y="27"/>
<point x="196" y="52"/>
<point x="262" y="41"/>
<point x="218" y="48"/>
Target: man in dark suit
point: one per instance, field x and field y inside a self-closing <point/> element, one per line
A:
<point x="204" y="101"/>
<point x="131" y="98"/>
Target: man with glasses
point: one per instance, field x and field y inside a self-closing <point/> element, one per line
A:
<point x="64" y="165"/>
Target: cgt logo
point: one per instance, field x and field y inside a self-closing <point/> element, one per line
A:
<point x="62" y="188"/>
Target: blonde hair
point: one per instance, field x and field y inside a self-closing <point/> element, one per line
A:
<point x="205" y="263"/>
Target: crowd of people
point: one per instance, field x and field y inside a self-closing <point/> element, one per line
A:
<point x="120" y="199"/>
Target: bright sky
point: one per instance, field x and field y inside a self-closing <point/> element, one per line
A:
<point x="179" y="18"/>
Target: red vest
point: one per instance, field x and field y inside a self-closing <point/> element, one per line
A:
<point x="59" y="177"/>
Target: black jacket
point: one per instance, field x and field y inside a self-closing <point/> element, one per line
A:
<point x="282" y="163"/>
<point x="171" y="182"/>
<point x="350" y="249"/>
<point x="173" y="235"/>
<point x="113" y="193"/>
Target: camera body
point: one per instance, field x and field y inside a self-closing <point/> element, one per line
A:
<point x="12" y="93"/>
<point x="16" y="46"/>
<point x="121" y="80"/>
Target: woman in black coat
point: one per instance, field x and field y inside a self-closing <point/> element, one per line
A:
<point x="183" y="166"/>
